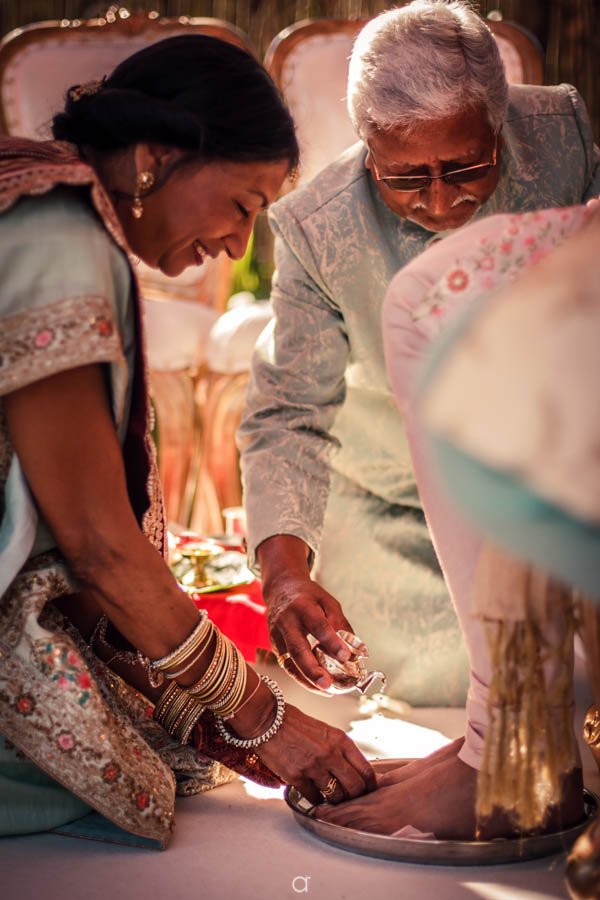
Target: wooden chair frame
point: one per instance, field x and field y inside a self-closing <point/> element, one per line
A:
<point x="116" y="21"/>
<point x="525" y="43"/>
<point x="284" y="42"/>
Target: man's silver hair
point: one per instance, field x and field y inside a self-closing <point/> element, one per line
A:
<point x="422" y="62"/>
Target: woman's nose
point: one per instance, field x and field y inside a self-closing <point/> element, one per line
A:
<point x="237" y="240"/>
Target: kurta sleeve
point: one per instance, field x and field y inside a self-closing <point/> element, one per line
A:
<point x="296" y="387"/>
<point x="592" y="152"/>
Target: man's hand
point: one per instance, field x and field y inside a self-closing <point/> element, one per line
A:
<point x="296" y="607"/>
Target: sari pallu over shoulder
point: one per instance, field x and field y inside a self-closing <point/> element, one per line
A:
<point x="32" y="168"/>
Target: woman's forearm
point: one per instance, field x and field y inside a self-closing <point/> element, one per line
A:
<point x="78" y="482"/>
<point x="65" y="439"/>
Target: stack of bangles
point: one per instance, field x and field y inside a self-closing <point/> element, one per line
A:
<point x="220" y="689"/>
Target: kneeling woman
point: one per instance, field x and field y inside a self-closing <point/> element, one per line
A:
<point x="170" y="158"/>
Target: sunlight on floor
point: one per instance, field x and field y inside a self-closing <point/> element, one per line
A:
<point x="504" y="892"/>
<point x="385" y="738"/>
<point x="262" y="793"/>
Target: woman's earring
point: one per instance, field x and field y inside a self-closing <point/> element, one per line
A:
<point x="143" y="183"/>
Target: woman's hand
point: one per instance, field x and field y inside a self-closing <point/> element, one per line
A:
<point x="308" y="753"/>
<point x="298" y="606"/>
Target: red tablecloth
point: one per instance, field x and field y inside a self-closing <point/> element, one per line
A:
<point x="241" y="615"/>
<point x="239" y="611"/>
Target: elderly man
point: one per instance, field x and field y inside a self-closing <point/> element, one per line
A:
<point x="334" y="515"/>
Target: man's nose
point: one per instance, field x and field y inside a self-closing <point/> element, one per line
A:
<point x="439" y="196"/>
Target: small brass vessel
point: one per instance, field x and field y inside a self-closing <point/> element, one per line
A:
<point x="189" y="564"/>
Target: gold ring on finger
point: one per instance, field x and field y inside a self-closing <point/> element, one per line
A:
<point x="330" y="790"/>
<point x="282" y="658"/>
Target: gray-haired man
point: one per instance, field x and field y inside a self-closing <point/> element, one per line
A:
<point x="325" y="462"/>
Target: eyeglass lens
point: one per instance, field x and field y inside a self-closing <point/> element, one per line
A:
<point x="418" y="182"/>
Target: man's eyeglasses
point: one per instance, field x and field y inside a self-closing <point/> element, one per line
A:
<point x="419" y="182"/>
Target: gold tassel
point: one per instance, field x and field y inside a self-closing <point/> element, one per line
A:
<point x="527" y="750"/>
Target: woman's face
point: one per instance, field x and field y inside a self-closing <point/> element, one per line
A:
<point x="199" y="211"/>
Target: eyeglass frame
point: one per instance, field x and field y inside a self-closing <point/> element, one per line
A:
<point x="444" y="176"/>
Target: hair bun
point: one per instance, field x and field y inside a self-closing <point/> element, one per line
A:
<point x="194" y="92"/>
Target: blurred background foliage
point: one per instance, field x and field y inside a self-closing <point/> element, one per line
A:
<point x="567" y="30"/>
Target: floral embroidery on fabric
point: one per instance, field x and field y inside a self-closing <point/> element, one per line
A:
<point x="457" y="280"/>
<point x="79" y="330"/>
<point x="524" y="242"/>
<point x="65" y="741"/>
<point x="103" y="326"/>
<point x="142" y="800"/>
<point x="111" y="772"/>
<point x="26" y="705"/>
<point x="69" y="675"/>
<point x="85" y="746"/>
<point x="43" y="338"/>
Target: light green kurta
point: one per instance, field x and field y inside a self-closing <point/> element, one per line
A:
<point x="324" y="452"/>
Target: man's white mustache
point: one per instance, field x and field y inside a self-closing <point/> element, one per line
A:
<point x="463" y="198"/>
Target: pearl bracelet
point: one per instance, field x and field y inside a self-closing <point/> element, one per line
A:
<point x="262" y="738"/>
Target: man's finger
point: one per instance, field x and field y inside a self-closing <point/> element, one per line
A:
<point x="291" y="669"/>
<point x="330" y="641"/>
<point x="306" y="662"/>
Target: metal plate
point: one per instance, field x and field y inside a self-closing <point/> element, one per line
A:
<point x="445" y="853"/>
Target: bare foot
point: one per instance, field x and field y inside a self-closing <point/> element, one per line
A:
<point x="395" y="776"/>
<point x="441" y="799"/>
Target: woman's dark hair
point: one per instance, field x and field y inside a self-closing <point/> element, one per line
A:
<point x="193" y="92"/>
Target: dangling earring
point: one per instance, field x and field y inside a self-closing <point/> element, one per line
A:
<point x="143" y="183"/>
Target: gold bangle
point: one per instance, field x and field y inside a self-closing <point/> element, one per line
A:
<point x="200" y="686"/>
<point x="177" y="655"/>
<point x="174" y="710"/>
<point x="250" y="697"/>
<point x="184" y="727"/>
<point x="194" y="654"/>
<point x="225" y="681"/>
<point x="230" y="686"/>
<point x="167" y="697"/>
<point x="189" y="704"/>
<point x="220" y="677"/>
<point x="176" y="702"/>
<point x="230" y="699"/>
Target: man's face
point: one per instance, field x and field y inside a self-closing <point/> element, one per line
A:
<point x="453" y="142"/>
